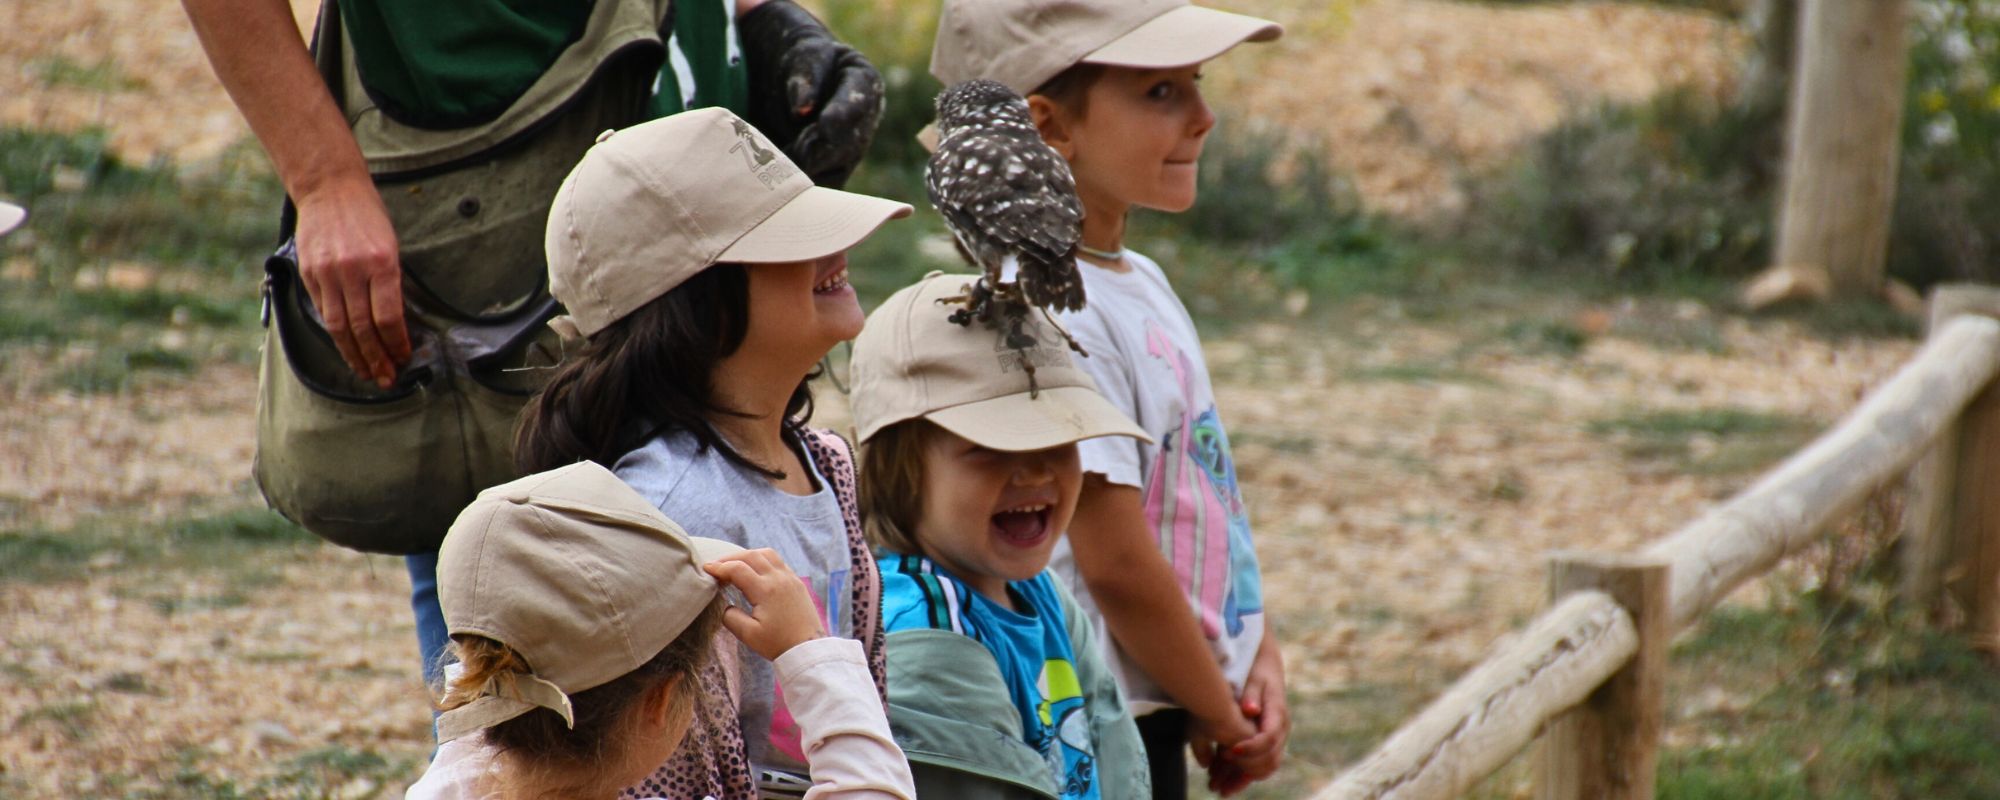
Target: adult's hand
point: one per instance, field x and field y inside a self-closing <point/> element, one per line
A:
<point x="818" y="98"/>
<point x="347" y="249"/>
<point x="348" y="262"/>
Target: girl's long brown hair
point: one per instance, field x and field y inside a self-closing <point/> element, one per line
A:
<point x="650" y="373"/>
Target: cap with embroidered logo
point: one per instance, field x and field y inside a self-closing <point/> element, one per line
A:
<point x="576" y="572"/>
<point x="652" y="205"/>
<point x="911" y="362"/>
<point x="1024" y="43"/>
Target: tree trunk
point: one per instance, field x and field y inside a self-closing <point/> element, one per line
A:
<point x="1846" y="116"/>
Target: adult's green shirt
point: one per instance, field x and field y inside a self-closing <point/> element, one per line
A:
<point x="447" y="64"/>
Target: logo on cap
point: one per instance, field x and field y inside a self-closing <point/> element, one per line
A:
<point x="760" y="160"/>
<point x="1042" y="354"/>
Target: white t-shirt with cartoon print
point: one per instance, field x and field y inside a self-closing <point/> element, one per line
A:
<point x="1147" y="360"/>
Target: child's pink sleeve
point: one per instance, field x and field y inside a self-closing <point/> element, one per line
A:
<point x="849" y="751"/>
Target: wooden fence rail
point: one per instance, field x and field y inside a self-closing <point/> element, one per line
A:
<point x="1583" y="648"/>
<point x="1498" y="707"/>
<point x="1873" y="446"/>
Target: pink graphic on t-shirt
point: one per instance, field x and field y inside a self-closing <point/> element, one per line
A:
<point x="785" y="734"/>
<point x="1196" y="530"/>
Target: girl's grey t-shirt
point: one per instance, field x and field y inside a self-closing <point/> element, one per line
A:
<point x="708" y="495"/>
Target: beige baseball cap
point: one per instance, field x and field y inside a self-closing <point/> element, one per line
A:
<point x="1024" y="43"/>
<point x="577" y="573"/>
<point x="910" y="361"/>
<point x="651" y="205"/>
<point x="10" y="216"/>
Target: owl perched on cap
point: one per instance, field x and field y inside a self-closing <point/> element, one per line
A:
<point x="1010" y="201"/>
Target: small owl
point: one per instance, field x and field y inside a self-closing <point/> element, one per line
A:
<point x="1010" y="201"/>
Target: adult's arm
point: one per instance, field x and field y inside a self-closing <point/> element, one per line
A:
<point x="1147" y="614"/>
<point x="346" y="245"/>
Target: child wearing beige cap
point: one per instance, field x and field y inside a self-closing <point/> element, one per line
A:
<point x="969" y="474"/>
<point x="706" y="276"/>
<point x="581" y="617"/>
<point x="1161" y="550"/>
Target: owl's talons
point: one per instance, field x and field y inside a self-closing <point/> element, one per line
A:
<point x="1028" y="366"/>
<point x="1067" y="339"/>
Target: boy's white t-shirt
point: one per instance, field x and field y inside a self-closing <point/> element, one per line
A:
<point x="1147" y="360"/>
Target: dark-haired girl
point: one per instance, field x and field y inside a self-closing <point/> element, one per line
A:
<point x="709" y="276"/>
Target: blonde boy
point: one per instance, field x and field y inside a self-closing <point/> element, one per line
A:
<point x="1161" y="550"/>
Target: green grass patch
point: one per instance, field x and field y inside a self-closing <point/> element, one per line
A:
<point x="89" y="214"/>
<point x="1545" y="337"/>
<point x="1417" y="372"/>
<point x="100" y="76"/>
<point x="71" y="718"/>
<point x="337" y="771"/>
<point x="1829" y="706"/>
<point x="1707" y="441"/>
<point x="210" y="540"/>
<point x="1700" y="334"/>
<point x="85" y="205"/>
<point x="1851" y="319"/>
<point x="1711" y="421"/>
<point x="114" y="368"/>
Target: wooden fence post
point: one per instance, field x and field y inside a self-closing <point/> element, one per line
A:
<point x="1844" y="122"/>
<point x="1607" y="747"/>
<point x="1951" y="525"/>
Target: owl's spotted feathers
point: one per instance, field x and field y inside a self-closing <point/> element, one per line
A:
<point x="1003" y="192"/>
<point x="1010" y="201"/>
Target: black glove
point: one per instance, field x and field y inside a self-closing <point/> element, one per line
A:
<point x="817" y="98"/>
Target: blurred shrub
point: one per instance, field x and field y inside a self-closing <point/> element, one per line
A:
<point x="1948" y="189"/>
<point x="1687" y="186"/>
<point x="1272" y="225"/>
<point x="896" y="35"/>
<point x="1681" y="186"/>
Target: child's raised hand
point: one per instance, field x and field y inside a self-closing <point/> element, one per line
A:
<point x="781" y="614"/>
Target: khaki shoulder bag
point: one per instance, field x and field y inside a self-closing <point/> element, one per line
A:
<point x="388" y="471"/>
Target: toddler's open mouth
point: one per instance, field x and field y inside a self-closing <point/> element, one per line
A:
<point x="1025" y="525"/>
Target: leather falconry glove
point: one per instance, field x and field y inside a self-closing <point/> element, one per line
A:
<point x="818" y="98"/>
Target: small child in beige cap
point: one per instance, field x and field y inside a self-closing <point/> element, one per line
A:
<point x="583" y="620"/>
<point x="969" y="475"/>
